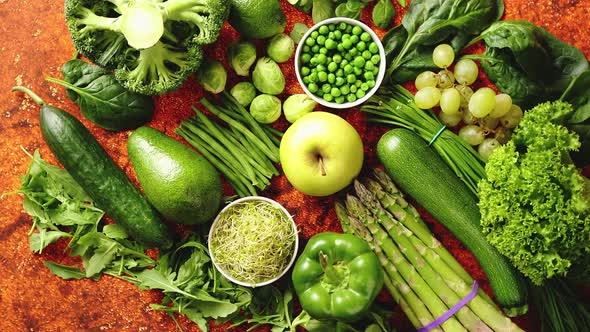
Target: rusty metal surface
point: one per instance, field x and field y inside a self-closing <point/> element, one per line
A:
<point x="34" y="44"/>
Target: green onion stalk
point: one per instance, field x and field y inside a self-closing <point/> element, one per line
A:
<point x="394" y="105"/>
<point x="240" y="148"/>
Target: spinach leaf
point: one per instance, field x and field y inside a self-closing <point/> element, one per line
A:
<point x="431" y="22"/>
<point x="578" y="94"/>
<point x="383" y="14"/>
<point x="102" y="99"/>
<point x="322" y="9"/>
<point x="528" y="63"/>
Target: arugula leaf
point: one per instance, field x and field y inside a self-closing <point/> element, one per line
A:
<point x="115" y="231"/>
<point x="39" y="241"/>
<point x="65" y="271"/>
<point x="102" y="99"/>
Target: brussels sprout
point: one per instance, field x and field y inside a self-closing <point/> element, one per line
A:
<point x="212" y="76"/>
<point x="244" y="92"/>
<point x="267" y="77"/>
<point x="266" y="108"/>
<point x="280" y="48"/>
<point x="241" y="56"/>
<point x="299" y="29"/>
<point x="297" y="106"/>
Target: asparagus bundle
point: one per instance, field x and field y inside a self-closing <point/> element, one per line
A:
<point x="422" y="276"/>
<point x="243" y="151"/>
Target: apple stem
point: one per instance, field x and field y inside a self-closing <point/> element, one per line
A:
<point x="322" y="168"/>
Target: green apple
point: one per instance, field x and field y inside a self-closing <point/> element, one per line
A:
<point x="321" y="154"/>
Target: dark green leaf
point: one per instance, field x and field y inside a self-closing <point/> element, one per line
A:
<point x="578" y="94"/>
<point x="102" y="99"/>
<point x="64" y="271"/>
<point x="383" y="14"/>
<point x="102" y="257"/>
<point x="322" y="9"/>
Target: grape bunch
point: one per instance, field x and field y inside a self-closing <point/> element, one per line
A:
<point x="488" y="118"/>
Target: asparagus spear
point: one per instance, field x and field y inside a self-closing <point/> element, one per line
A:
<point x="385" y="182"/>
<point x="428" y="296"/>
<point x="488" y="313"/>
<point x="399" y="235"/>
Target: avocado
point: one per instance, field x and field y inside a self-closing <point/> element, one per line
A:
<point x="182" y="185"/>
<point x="257" y="18"/>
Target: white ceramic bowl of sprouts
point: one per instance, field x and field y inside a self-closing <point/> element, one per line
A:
<point x="378" y="80"/>
<point x="217" y="223"/>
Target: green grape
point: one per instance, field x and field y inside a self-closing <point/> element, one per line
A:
<point x="450" y="100"/>
<point x="466" y="71"/>
<point x="503" y="135"/>
<point x="466" y="93"/>
<point x="425" y="79"/>
<point x="450" y="120"/>
<point x="468" y="118"/>
<point x="486" y="148"/>
<point x="512" y="118"/>
<point x="482" y="102"/>
<point x="489" y="124"/>
<point x="443" y="55"/>
<point x="427" y="97"/>
<point x="503" y="105"/>
<point x="446" y="79"/>
<point x="472" y="135"/>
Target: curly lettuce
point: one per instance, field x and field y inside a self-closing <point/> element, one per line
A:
<point x="535" y="204"/>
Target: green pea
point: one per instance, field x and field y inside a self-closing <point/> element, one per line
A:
<point x="347" y="44"/>
<point x="321" y="40"/>
<point x="343" y="63"/>
<point x="345" y="89"/>
<point x="315" y="49"/>
<point x="320" y="68"/>
<point x="323" y="30"/>
<point x="369" y="66"/>
<point x="342" y="26"/>
<point x="371" y="83"/>
<point x="321" y="58"/>
<point x="354" y="52"/>
<point x="375" y="70"/>
<point x="373" y="48"/>
<point x="361" y="46"/>
<point x="340" y="81"/>
<point x="354" y="39"/>
<point x="312" y="87"/>
<point x="357" y="30"/>
<point x="310" y="41"/>
<point x="326" y="88"/>
<point x="331" y="44"/>
<point x="314" y="70"/>
<point x="345" y="36"/>
<point x="332" y="27"/>
<point x="358" y="71"/>
<point x="328" y="97"/>
<point x="313" y="77"/>
<point x="305" y="71"/>
<point x="360" y="94"/>
<point x="358" y="83"/>
<point x="339" y="100"/>
<point x="337" y="34"/>
<point x="331" y="35"/>
<point x="332" y="66"/>
<point x="340" y="48"/>
<point x="314" y="34"/>
<point x="323" y="51"/>
<point x="375" y="59"/>
<point x="331" y="78"/>
<point x="305" y="57"/>
<point x="368" y="76"/>
<point x="320" y="93"/>
<point x="335" y="92"/>
<point x="365" y="87"/>
<point x="340" y="73"/>
<point x="353" y="88"/>
<point x="365" y="36"/>
<point x="349" y="28"/>
<point x="306" y="49"/>
<point x="348" y="69"/>
<point x="367" y="55"/>
<point x="306" y="80"/>
<point x="348" y="57"/>
<point x="359" y="62"/>
<point x="351" y="78"/>
<point x="351" y="98"/>
<point x="337" y="58"/>
<point x="322" y="76"/>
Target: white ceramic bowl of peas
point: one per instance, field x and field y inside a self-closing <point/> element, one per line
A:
<point x="375" y="64"/>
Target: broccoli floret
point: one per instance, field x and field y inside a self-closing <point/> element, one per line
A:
<point x="151" y="45"/>
<point x="535" y="204"/>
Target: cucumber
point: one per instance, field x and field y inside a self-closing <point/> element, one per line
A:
<point x="421" y="173"/>
<point x="92" y="168"/>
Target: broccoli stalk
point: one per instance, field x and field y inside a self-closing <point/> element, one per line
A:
<point x="152" y="45"/>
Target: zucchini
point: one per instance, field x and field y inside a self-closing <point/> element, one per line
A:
<point x="112" y="191"/>
<point x="421" y="173"/>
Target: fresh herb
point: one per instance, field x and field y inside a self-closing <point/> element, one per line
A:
<point x="244" y="150"/>
<point x="101" y="97"/>
<point x="535" y="205"/>
<point x="515" y="50"/>
<point x="395" y="106"/>
<point x="383" y="14"/>
<point x="427" y="23"/>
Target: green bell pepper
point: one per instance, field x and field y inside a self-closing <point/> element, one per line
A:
<point x="337" y="277"/>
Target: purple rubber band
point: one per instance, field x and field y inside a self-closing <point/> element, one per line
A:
<point x="451" y="311"/>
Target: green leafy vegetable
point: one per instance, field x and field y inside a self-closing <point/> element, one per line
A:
<point x="383" y="14"/>
<point x="409" y="46"/>
<point x="324" y="9"/>
<point x="534" y="203"/>
<point x="101" y="97"/>
<point x="517" y="50"/>
<point x="578" y="94"/>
